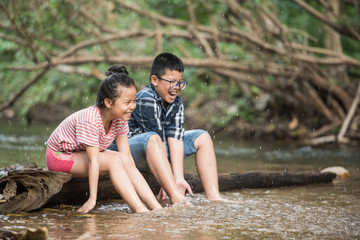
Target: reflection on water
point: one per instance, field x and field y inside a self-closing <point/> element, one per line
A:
<point x="322" y="211"/>
<point x="317" y="212"/>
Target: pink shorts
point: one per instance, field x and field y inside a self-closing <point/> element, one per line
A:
<point x="59" y="161"/>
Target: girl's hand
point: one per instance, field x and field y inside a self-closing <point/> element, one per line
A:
<point x="88" y="206"/>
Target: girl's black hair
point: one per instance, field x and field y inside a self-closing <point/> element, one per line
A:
<point x="116" y="76"/>
<point x="165" y="61"/>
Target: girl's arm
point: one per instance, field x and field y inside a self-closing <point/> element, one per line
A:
<point x="93" y="155"/>
<point x="122" y="143"/>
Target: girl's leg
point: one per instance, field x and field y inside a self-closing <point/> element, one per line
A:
<point x="141" y="186"/>
<point x="111" y="162"/>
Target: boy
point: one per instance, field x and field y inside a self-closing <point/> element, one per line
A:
<point x="156" y="133"/>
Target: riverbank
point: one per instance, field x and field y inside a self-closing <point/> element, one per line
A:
<point x="222" y="119"/>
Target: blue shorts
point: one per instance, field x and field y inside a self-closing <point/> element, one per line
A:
<point x="139" y="142"/>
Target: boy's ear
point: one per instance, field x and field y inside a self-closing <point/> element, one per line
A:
<point x="108" y="102"/>
<point x="154" y="80"/>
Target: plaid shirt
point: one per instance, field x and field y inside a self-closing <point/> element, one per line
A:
<point x="150" y="115"/>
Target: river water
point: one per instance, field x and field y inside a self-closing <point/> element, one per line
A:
<point x="320" y="211"/>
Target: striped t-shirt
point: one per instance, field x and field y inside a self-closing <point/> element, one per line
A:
<point x="85" y="127"/>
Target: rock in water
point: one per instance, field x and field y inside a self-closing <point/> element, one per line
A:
<point x="339" y="171"/>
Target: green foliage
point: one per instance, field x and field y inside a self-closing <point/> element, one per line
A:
<point x="246" y="109"/>
<point x="54" y="26"/>
<point x="199" y="85"/>
<point x="308" y="28"/>
<point x="242" y="109"/>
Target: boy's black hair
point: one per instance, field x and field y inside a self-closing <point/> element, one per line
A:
<point x="116" y="76"/>
<point x="165" y="61"/>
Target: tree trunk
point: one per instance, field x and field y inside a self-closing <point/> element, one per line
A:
<point x="28" y="190"/>
<point x="332" y="40"/>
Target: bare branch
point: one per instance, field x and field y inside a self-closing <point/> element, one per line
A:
<point x="271" y="68"/>
<point x="349" y="116"/>
<point x="93" y="20"/>
<point x="244" y="78"/>
<point x="13" y="39"/>
<point x="153" y="16"/>
<point x="344" y="29"/>
<point x="191" y="12"/>
<point x="9" y="103"/>
<point x="319" y="104"/>
<point x="22" y="32"/>
<point x="119" y="35"/>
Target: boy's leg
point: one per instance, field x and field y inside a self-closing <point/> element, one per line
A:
<point x="200" y="141"/>
<point x="149" y="153"/>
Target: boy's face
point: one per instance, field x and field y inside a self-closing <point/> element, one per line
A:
<point x="165" y="90"/>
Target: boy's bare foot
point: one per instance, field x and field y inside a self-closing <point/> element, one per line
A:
<point x="185" y="201"/>
<point x="231" y="201"/>
<point x="224" y="200"/>
<point x="142" y="211"/>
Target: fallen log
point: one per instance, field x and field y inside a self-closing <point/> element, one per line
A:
<point x="227" y="182"/>
<point x="39" y="233"/>
<point x="28" y="190"/>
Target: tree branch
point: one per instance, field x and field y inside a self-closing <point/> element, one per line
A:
<point x="349" y="116"/>
<point x="343" y="29"/>
<point x="9" y="103"/>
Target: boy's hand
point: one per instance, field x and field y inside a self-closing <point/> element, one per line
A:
<point x="183" y="186"/>
<point x="161" y="195"/>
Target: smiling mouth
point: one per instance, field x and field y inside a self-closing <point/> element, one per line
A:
<point x="173" y="94"/>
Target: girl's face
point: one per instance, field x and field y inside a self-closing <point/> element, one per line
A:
<point x="124" y="105"/>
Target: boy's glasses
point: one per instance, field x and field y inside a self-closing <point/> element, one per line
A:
<point x="175" y="84"/>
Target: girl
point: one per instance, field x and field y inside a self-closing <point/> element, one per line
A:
<point x="78" y="145"/>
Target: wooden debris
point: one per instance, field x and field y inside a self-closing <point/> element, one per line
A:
<point x="28" y="190"/>
<point x="40" y="233"/>
<point x="227" y="182"/>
